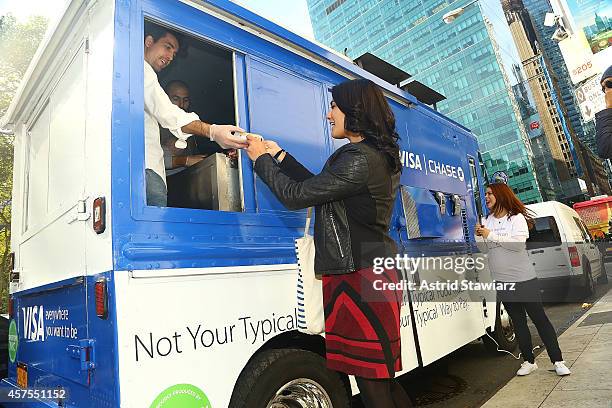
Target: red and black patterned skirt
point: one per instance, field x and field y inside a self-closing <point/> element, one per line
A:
<point x="362" y="325"/>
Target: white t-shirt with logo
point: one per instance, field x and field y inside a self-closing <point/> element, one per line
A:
<point x="507" y="252"/>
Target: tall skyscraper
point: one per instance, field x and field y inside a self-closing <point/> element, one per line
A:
<point x="538" y="9"/>
<point x="469" y="61"/>
<point x="543" y="161"/>
<point x="558" y="138"/>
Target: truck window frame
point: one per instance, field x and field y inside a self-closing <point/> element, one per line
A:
<point x="553" y="227"/>
<point x="172" y="16"/>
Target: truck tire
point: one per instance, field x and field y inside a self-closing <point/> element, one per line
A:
<point x="503" y="334"/>
<point x="289" y="378"/>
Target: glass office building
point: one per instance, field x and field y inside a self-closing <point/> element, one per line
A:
<point x="469" y="61"/>
<point x="538" y="9"/>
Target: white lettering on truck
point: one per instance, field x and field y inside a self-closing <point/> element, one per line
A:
<point x="33" y="323"/>
<point x="418" y="162"/>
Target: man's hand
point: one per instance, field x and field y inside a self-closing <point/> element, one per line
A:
<point x="256" y="147"/>
<point x="232" y="154"/>
<point x="222" y="134"/>
<point x="194" y="159"/>
<point x="186" y="161"/>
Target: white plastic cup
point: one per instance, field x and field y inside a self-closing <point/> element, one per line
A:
<point x="243" y="135"/>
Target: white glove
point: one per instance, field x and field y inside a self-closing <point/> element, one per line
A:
<point x="222" y="134"/>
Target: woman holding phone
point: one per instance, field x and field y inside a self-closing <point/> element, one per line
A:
<point x="353" y="198"/>
<point x="505" y="232"/>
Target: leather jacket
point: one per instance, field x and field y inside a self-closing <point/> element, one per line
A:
<point x="353" y="198"/>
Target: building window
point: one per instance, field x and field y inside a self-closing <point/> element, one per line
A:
<point x="334" y="6"/>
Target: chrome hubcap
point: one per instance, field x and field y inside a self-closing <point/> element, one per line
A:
<point x="301" y="393"/>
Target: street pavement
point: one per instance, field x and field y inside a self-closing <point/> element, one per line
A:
<point x="473" y="376"/>
<point x="587" y="352"/>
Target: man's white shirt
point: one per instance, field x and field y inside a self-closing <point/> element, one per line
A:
<point x="159" y="111"/>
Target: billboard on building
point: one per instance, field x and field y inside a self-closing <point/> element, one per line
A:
<point x="588" y="51"/>
<point x="594" y="19"/>
<point x="534" y="126"/>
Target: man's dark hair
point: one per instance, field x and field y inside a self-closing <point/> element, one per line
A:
<point x="175" y="82"/>
<point x="156" y="31"/>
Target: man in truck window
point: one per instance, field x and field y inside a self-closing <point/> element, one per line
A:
<point x="175" y="159"/>
<point x="160" y="48"/>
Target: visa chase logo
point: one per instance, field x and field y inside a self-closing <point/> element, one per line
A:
<point x="33" y="323"/>
<point x="419" y="162"/>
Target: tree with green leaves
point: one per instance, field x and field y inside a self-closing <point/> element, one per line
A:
<point x="18" y="43"/>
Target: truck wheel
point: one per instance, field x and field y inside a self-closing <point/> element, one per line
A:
<point x="288" y="378"/>
<point x="503" y="334"/>
<point x="589" y="283"/>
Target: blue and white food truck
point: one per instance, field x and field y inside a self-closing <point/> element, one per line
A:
<point x="116" y="303"/>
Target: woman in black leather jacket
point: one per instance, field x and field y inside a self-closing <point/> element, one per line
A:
<point x="353" y="198"/>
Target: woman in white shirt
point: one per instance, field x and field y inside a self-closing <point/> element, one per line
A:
<point x="505" y="232"/>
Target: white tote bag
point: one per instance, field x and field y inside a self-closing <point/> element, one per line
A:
<point x="311" y="319"/>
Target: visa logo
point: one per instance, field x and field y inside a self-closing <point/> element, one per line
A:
<point x="33" y="323"/>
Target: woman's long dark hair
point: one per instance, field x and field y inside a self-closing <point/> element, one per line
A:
<point x="367" y="113"/>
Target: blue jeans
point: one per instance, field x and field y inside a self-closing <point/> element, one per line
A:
<point x="157" y="193"/>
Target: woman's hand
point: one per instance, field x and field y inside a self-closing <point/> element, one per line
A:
<point x="482" y="231"/>
<point x="256" y="147"/>
<point x="272" y="147"/>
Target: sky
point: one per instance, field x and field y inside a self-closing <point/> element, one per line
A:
<point x="291" y="14"/>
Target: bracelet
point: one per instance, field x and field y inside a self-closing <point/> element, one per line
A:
<point x="277" y="155"/>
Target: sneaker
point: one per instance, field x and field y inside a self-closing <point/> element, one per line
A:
<point x="561" y="368"/>
<point x="527" y="368"/>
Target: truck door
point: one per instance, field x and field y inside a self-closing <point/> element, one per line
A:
<point x="50" y="301"/>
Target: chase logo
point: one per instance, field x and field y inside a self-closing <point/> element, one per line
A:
<point x="33" y="323"/>
<point x="420" y="162"/>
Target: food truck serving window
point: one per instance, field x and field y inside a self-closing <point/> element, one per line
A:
<point x="199" y="79"/>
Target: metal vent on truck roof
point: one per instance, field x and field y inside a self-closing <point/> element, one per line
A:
<point x="398" y="77"/>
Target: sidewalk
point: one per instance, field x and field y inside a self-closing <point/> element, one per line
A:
<point x="587" y="350"/>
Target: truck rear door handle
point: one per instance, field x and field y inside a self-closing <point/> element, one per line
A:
<point x="541" y="251"/>
<point x="557" y="249"/>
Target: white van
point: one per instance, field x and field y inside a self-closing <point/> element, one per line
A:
<point x="562" y="250"/>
